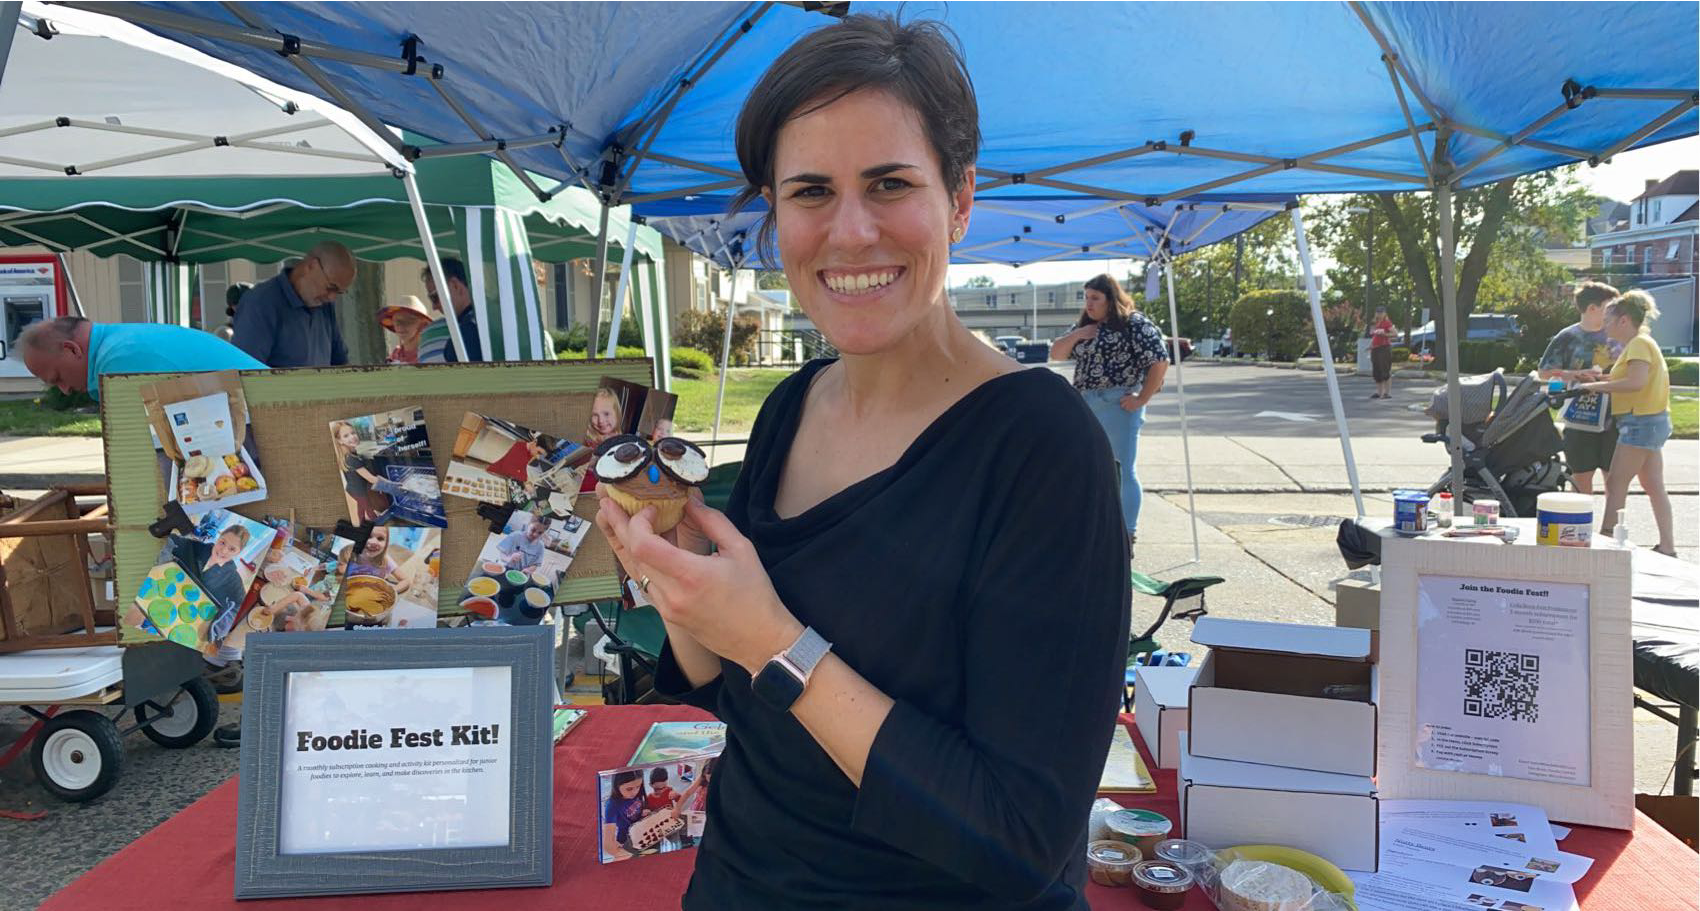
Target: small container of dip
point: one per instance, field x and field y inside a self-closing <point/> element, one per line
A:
<point x="1189" y="854"/>
<point x="1161" y="884"/>
<point x="1111" y="863"/>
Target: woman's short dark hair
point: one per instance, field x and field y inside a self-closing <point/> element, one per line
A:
<point x="918" y="63"/>
<point x="1121" y="306"/>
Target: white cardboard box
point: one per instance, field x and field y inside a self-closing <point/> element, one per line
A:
<point x="1160" y="710"/>
<point x="1225" y="803"/>
<point x="1257" y="697"/>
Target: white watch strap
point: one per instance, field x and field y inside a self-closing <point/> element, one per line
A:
<point x="807" y="652"/>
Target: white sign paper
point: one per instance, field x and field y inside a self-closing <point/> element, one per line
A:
<point x="1502" y="678"/>
<point x="402" y="759"/>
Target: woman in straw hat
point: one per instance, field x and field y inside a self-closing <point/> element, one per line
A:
<point x="407" y="320"/>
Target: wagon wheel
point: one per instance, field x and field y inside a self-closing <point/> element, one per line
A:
<point x="194" y="713"/>
<point x="78" y="755"/>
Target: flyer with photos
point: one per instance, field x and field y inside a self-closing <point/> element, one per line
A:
<point x="299" y="581"/>
<point x="388" y="477"/>
<point x="393" y="579"/>
<point x="1505" y="686"/>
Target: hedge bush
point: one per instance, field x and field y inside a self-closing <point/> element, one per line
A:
<point x="1401" y="354"/>
<point x="54" y="400"/>
<point x="1480" y="356"/>
<point x="691" y="359"/>
<point x="620" y="351"/>
<point x="1283" y="336"/>
<point x="576" y="338"/>
<point x="1683" y="373"/>
<point x="705" y="331"/>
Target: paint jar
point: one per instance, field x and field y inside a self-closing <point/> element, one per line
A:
<point x="1410" y="511"/>
<point x="1140" y="828"/>
<point x="1161" y="884"/>
<point x="1441" y="508"/>
<point x="482" y="608"/>
<point x="1486" y="512"/>
<point x="1111" y="863"/>
<point x="1564" y="519"/>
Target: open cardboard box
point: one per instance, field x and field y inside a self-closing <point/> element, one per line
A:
<point x="1285" y="694"/>
<point x="1336" y="817"/>
<point x="1160" y="710"/>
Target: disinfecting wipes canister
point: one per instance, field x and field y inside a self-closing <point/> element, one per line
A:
<point x="1564" y="519"/>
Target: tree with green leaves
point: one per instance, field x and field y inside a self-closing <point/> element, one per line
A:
<point x="1209" y="280"/>
<point x="979" y="281"/>
<point x="1499" y="232"/>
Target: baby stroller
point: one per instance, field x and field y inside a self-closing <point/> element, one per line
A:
<point x="1511" y="448"/>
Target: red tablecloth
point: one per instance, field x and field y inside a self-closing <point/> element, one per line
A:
<point x="188" y="861"/>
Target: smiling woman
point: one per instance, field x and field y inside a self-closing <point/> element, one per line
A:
<point x="875" y="574"/>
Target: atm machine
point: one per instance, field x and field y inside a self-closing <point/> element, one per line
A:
<point x="31" y="288"/>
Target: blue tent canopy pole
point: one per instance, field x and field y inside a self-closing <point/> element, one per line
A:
<point x="620" y="292"/>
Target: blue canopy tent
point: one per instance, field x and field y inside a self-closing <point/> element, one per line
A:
<point x="634" y="100"/>
<point x="1019" y="232"/>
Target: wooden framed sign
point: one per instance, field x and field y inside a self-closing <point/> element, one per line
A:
<point x="1506" y="675"/>
<point x="415" y="760"/>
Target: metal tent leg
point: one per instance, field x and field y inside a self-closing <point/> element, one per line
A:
<point x="1327" y="360"/>
<point x="619" y="302"/>
<point x="434" y="262"/>
<point x="1449" y="311"/>
<point x="601" y="278"/>
<point x="1180" y="388"/>
<point x="726" y="351"/>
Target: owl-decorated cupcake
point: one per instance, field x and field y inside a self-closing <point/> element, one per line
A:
<point x="638" y="474"/>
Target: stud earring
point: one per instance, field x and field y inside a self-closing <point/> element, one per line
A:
<point x="956" y="234"/>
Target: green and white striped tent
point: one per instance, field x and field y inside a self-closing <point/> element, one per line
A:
<point x="152" y="151"/>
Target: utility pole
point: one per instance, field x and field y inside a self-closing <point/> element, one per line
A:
<point x="1034" y="290"/>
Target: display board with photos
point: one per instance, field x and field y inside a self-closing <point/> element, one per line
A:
<point x="291" y="414"/>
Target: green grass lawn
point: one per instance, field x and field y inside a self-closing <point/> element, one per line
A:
<point x="1685" y="416"/>
<point x="28" y="419"/>
<point x="746" y="389"/>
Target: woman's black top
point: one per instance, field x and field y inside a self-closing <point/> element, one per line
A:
<point x="1119" y="358"/>
<point x="982" y="583"/>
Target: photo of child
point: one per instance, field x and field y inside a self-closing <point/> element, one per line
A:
<point x="656" y="421"/>
<point x="387" y="473"/>
<point x="617" y="408"/>
<point x="652" y="809"/>
<point x="519" y="567"/>
<point x="496" y="461"/>
<point x="201" y="582"/>
<point x="392" y="579"/>
<point x="298" y="582"/>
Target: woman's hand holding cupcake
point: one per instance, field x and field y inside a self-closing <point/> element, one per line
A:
<point x="725" y="600"/>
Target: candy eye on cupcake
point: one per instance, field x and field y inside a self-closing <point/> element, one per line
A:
<point x="621" y="457"/>
<point x="682" y="459"/>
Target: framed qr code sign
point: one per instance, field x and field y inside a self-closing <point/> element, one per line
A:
<point x="1506" y="675"/>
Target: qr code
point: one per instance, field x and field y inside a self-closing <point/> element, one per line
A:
<point x="1501" y="685"/>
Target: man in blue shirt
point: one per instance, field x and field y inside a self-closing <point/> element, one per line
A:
<point x="289" y="320"/>
<point x="72" y="353"/>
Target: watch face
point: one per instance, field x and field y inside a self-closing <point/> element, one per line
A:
<point x="776" y="687"/>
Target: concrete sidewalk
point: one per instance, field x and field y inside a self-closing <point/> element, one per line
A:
<point x="33" y="463"/>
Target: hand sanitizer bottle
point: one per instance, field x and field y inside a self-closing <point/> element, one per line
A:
<point x="1620" y="531"/>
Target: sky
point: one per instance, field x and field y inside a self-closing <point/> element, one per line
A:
<point x="1622" y="179"/>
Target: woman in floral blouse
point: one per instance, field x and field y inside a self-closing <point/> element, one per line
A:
<point x="1119" y="364"/>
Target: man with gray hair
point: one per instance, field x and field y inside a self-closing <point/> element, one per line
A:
<point x="290" y="319"/>
<point x="72" y="354"/>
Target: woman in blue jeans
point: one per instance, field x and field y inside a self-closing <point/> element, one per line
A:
<point x="1119" y="364"/>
